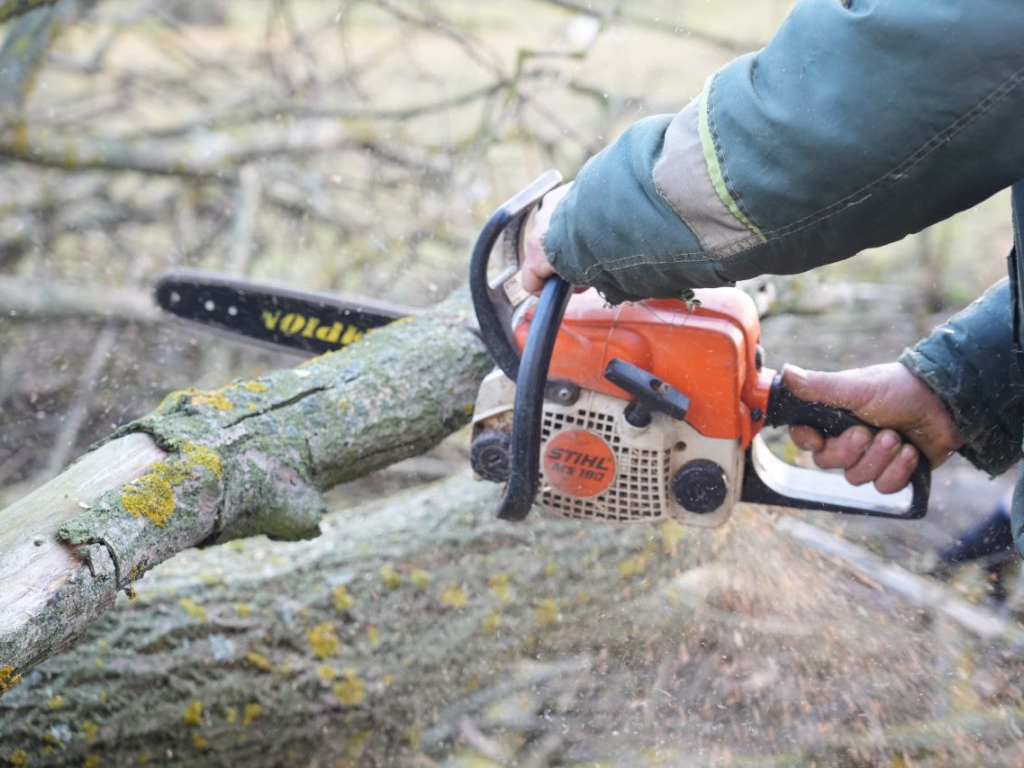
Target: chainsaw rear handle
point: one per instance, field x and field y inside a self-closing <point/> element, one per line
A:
<point x="769" y="480"/>
<point x="495" y="302"/>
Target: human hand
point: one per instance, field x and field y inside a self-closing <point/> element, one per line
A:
<point x="536" y="267"/>
<point x="887" y="396"/>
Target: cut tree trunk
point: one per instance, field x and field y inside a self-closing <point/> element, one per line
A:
<point x="251" y="458"/>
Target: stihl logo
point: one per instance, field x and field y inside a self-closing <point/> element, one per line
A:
<point x="569" y="460"/>
<point x="294" y="324"/>
<point x="579" y="463"/>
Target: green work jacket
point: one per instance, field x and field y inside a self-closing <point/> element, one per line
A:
<point x="859" y="123"/>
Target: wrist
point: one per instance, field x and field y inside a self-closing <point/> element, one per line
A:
<point x="935" y="432"/>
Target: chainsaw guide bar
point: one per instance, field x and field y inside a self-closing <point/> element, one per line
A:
<point x="272" y="315"/>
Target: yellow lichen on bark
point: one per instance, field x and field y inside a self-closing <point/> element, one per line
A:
<point x="193" y="714"/>
<point x="351" y="690"/>
<point x="326" y="673"/>
<point x="8" y="679"/>
<point x="671" y="534"/>
<point x="204" y="457"/>
<point x="217" y="399"/>
<point x="412" y="737"/>
<point x="342" y="599"/>
<point x="173" y="471"/>
<point x="252" y="711"/>
<point x="151" y="497"/>
<point x="637" y="565"/>
<point x="323" y="641"/>
<point x="198" y="398"/>
<point x="498" y="584"/>
<point x="192" y="608"/>
<point x="491" y="622"/>
<point x="547" y="611"/>
<point x="392" y="578"/>
<point x="420" y="578"/>
<point x="258" y="660"/>
<point x="255" y="386"/>
<point x="356" y="746"/>
<point x="454" y="597"/>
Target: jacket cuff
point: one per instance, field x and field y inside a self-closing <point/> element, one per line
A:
<point x="968" y="362"/>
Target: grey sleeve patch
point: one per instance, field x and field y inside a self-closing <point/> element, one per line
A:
<point x="681" y="177"/>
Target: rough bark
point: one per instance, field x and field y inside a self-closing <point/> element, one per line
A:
<point x="373" y="640"/>
<point x="422" y="629"/>
<point x="251" y="458"/>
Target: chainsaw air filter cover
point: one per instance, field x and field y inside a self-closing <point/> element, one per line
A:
<point x="596" y="466"/>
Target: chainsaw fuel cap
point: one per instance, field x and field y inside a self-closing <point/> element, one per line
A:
<point x="700" y="486"/>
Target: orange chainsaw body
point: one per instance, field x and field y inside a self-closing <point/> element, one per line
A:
<point x="597" y="464"/>
<point x="709" y="352"/>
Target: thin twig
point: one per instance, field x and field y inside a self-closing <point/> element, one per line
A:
<point x="921" y="592"/>
<point x="13" y="8"/>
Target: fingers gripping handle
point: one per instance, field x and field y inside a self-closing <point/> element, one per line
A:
<point x="495" y="301"/>
<point x="768" y="480"/>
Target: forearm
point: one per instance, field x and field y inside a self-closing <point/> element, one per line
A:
<point x="843" y="133"/>
<point x="968" y="362"/>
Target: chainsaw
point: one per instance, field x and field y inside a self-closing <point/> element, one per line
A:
<point x="639" y="412"/>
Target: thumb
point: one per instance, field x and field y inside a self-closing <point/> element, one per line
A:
<point x="839" y="390"/>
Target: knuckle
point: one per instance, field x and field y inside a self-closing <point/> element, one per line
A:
<point x="854" y="478"/>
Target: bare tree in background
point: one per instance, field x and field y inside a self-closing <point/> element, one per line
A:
<point x="354" y="145"/>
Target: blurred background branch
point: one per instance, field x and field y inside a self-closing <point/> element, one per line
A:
<point x="14" y="8"/>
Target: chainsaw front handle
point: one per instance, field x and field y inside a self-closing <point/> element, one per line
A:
<point x="496" y="301"/>
<point x="524" y="470"/>
<point x="769" y="480"/>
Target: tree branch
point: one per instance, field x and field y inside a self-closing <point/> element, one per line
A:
<point x="39" y="300"/>
<point x="14" y="8"/>
<point x="251" y="458"/>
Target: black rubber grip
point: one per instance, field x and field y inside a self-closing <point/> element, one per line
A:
<point x="786" y="409"/>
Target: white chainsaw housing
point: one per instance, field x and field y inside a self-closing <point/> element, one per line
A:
<point x="646" y="458"/>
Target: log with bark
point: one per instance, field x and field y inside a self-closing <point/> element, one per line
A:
<point x="375" y="637"/>
<point x="422" y="629"/>
<point x="250" y="458"/>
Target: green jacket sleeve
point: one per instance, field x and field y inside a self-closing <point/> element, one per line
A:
<point x="969" y="363"/>
<point x="852" y="128"/>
